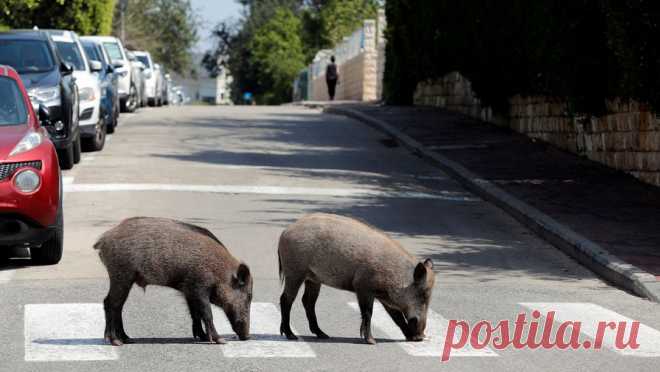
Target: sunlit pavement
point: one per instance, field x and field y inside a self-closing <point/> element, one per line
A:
<point x="246" y="173"/>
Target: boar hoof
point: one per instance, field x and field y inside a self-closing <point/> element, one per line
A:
<point x="370" y="341"/>
<point x="117" y="342"/>
<point x="322" y="335"/>
<point x="218" y="340"/>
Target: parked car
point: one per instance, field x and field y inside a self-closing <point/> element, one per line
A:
<point x="128" y="90"/>
<point x="138" y="69"/>
<point x="108" y="81"/>
<point x="30" y="179"/>
<point x="152" y="78"/>
<point x="49" y="81"/>
<point x="92" y="124"/>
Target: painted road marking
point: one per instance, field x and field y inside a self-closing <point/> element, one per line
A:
<point x="265" y="341"/>
<point x="436" y="332"/>
<point x="66" y="332"/>
<point x="6" y="275"/>
<point x="88" y="158"/>
<point x="591" y="314"/>
<point x="67" y="180"/>
<point x="268" y="190"/>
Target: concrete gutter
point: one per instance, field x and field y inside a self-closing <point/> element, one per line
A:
<point x="585" y="251"/>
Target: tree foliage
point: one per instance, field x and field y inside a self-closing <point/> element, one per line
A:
<point x="582" y="50"/>
<point x="309" y="25"/>
<point x="86" y="17"/>
<point x="166" y="28"/>
<point x="277" y="54"/>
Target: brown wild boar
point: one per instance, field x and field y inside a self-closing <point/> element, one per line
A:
<point x="347" y="254"/>
<point x="175" y="254"/>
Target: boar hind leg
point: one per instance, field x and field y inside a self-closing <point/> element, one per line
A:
<point x="291" y="287"/>
<point x="400" y="320"/>
<point x="309" y="298"/>
<point x="113" y="306"/>
<point x="366" y="302"/>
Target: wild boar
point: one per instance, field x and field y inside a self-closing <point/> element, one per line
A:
<point x="175" y="254"/>
<point x="347" y="254"/>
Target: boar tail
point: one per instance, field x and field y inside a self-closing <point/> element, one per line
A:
<point x="279" y="263"/>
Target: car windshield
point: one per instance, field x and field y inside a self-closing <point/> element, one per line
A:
<point x="26" y="56"/>
<point x="71" y="54"/>
<point x="12" y="105"/>
<point x="144" y="60"/>
<point x="113" y="50"/>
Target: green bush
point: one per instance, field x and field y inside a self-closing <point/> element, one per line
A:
<point x="581" y="50"/>
<point x="87" y="17"/>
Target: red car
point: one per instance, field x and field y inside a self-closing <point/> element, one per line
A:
<point x="30" y="180"/>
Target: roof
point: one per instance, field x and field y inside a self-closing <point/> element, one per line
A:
<point x="24" y="35"/>
<point x="62" y="35"/>
<point x="100" y="38"/>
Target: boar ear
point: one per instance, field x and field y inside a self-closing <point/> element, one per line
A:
<point x="420" y="273"/>
<point x="428" y="263"/>
<point x="242" y="274"/>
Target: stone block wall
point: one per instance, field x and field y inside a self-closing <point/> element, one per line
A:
<point x="627" y="138"/>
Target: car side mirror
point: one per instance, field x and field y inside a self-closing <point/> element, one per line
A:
<point x="95" y="66"/>
<point x="44" y="113"/>
<point x="147" y="74"/>
<point x="110" y="69"/>
<point x="66" y="68"/>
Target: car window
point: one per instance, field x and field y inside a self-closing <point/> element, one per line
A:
<point x="91" y="52"/>
<point x="71" y="54"/>
<point x="144" y="60"/>
<point x="26" y="56"/>
<point x="113" y="50"/>
<point x="12" y="106"/>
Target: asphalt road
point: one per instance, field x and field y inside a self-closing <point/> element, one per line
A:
<point x="246" y="173"/>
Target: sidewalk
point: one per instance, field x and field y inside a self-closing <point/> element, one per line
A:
<point x="607" y="220"/>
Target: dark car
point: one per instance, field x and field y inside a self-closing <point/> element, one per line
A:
<point x="49" y="82"/>
<point x="108" y="80"/>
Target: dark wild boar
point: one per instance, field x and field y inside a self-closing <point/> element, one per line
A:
<point x="175" y="254"/>
<point x="347" y="254"/>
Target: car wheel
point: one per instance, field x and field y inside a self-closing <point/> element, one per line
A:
<point x="76" y="151"/>
<point x="50" y="252"/>
<point x="132" y="102"/>
<point x="66" y="157"/>
<point x="97" y="142"/>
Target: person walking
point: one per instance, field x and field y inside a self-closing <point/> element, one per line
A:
<point x="331" y="78"/>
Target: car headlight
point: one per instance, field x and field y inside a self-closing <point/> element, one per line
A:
<point x="27" y="143"/>
<point x="27" y="181"/>
<point x="45" y="94"/>
<point x="87" y="94"/>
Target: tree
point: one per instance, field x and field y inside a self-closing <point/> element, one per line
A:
<point x="166" y="28"/>
<point x="277" y="52"/>
<point x="86" y="17"/>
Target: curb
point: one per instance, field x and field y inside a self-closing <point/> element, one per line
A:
<point x="585" y="251"/>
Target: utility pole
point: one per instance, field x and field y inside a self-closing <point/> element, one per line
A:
<point x="123" y="4"/>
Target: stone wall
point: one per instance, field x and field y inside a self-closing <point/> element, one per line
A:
<point x="361" y="62"/>
<point x="626" y="138"/>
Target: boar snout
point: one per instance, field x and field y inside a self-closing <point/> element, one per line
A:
<point x="416" y="329"/>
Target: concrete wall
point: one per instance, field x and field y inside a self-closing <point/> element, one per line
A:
<point x="626" y="138"/>
<point x="361" y="61"/>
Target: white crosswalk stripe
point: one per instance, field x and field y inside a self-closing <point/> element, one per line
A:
<point x="436" y="332"/>
<point x="265" y="341"/>
<point x="65" y="332"/>
<point x="589" y="315"/>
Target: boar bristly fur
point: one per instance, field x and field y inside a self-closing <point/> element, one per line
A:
<point x="347" y="254"/>
<point x="188" y="258"/>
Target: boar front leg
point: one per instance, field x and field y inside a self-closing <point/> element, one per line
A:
<point x="197" y="330"/>
<point x="366" y="302"/>
<point x="201" y="305"/>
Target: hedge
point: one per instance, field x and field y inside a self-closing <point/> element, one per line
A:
<point x="582" y="50"/>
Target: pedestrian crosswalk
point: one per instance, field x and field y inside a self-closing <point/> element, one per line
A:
<point x="73" y="332"/>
